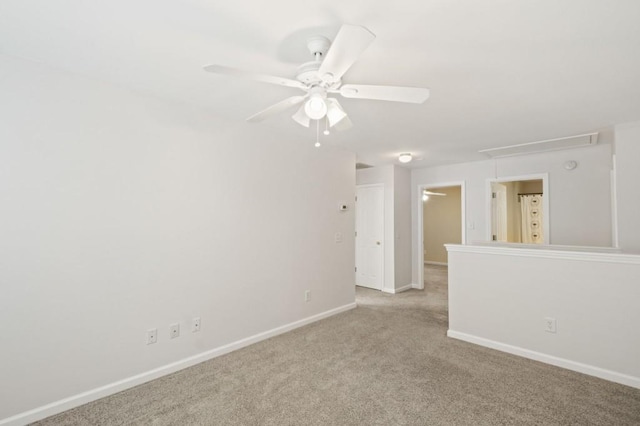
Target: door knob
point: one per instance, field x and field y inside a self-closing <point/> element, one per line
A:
<point x="378" y="242"/>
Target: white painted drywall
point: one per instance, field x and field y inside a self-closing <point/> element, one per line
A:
<point x="122" y="212"/>
<point x="627" y="148"/>
<point x="501" y="296"/>
<point x="402" y="227"/>
<point x="580" y="200"/>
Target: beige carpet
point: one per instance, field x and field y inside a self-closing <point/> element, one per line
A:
<point x="387" y="362"/>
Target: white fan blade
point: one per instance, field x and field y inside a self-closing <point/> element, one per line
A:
<point x="350" y="42"/>
<point x="276" y="108"/>
<point x="221" y="69"/>
<point x="416" y="95"/>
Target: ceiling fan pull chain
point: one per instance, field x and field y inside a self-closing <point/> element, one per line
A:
<point x="317" y="133"/>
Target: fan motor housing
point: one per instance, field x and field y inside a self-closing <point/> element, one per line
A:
<point x="308" y="73"/>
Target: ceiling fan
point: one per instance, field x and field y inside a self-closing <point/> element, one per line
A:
<point x="426" y="194"/>
<point x="323" y="77"/>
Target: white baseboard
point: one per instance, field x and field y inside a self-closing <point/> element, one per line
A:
<point x="416" y="286"/>
<point x="591" y="370"/>
<point x="398" y="290"/>
<point x="112" y="388"/>
<point x="428" y="262"/>
<point x="404" y="288"/>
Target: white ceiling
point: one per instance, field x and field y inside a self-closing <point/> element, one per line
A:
<point x="500" y="72"/>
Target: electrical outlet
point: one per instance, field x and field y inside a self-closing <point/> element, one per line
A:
<point x="152" y="336"/>
<point x="550" y="325"/>
<point x="174" y="331"/>
<point x="195" y="324"/>
<point x="307" y="295"/>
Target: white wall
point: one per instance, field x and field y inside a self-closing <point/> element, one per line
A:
<point x="122" y="212"/>
<point x="499" y="297"/>
<point x="402" y="227"/>
<point x="627" y="149"/>
<point x="580" y="200"/>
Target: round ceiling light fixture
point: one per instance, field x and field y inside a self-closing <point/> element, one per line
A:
<point x="405" y="157"/>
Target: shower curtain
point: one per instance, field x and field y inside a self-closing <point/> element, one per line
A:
<point x="531" y="208"/>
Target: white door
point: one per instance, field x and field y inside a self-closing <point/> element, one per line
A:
<point x="369" y="236"/>
<point x="499" y="212"/>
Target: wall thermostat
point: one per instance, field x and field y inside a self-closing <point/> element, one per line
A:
<point x="344" y="207"/>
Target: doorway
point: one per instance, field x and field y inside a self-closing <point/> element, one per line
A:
<point x="370" y="236"/>
<point x="519" y="210"/>
<point x="441" y="220"/>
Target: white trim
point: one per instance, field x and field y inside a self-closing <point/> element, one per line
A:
<point x="614" y="204"/>
<point x="585" y="254"/>
<point x="416" y="286"/>
<point x="428" y="262"/>
<point x="404" y="288"/>
<point x="398" y="290"/>
<point x="370" y="185"/>
<point x="419" y="259"/>
<point x="545" y="201"/>
<point x="591" y="370"/>
<point x="112" y="388"/>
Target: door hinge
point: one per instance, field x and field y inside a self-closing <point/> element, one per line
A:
<point x="493" y="195"/>
<point x="356" y="198"/>
<point x="356" y="269"/>
<point x="494" y="237"/>
<point x="356" y="233"/>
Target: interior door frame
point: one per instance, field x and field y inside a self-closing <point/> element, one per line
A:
<point x="384" y="226"/>
<point x="463" y="213"/>
<point x="545" y="202"/>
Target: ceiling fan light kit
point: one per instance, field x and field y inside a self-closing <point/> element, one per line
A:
<point x="335" y="113"/>
<point x="301" y="117"/>
<point x="316" y="107"/>
<point x="323" y="76"/>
